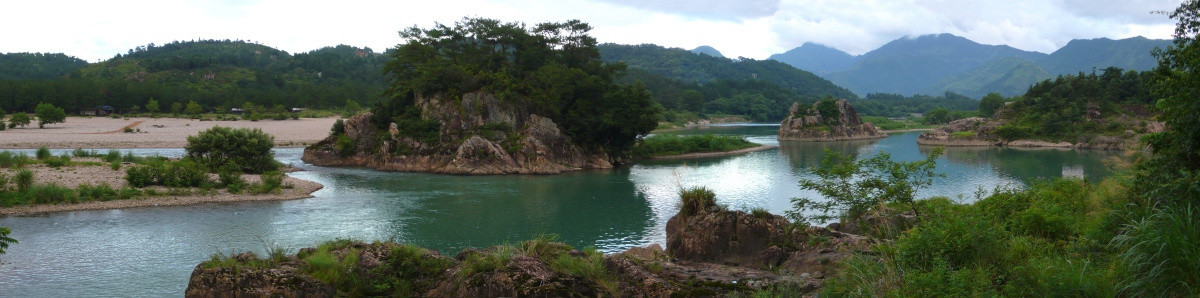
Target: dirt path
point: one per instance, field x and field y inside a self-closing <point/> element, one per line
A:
<point x="131" y="126"/>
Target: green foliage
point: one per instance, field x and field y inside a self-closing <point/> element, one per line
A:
<point x="13" y="160"/>
<point x="49" y="114"/>
<point x="938" y="116"/>
<point x="896" y="105"/>
<point x="57" y="161"/>
<point x="5" y="241"/>
<point x="43" y="153"/>
<point x="696" y="200"/>
<point x="152" y="106"/>
<point x="38" y="66"/>
<point x="1048" y="240"/>
<point x="962" y="135"/>
<point x="852" y="187"/>
<point x="665" y="145"/>
<point x="183" y="173"/>
<point x="23" y="180"/>
<point x="193" y="108"/>
<point x="989" y="103"/>
<point x="1064" y="108"/>
<point x="248" y="148"/>
<point x="551" y="68"/>
<point x="18" y="119"/>
<point x="828" y="110"/>
<point x="339" y="128"/>
<point x="346" y="146"/>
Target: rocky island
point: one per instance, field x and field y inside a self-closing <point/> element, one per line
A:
<point x="517" y="101"/>
<point x="826" y="120"/>
<point x="477" y="134"/>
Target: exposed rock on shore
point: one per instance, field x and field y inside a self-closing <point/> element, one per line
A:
<point x="807" y="124"/>
<point x="478" y="135"/>
<point x="976" y="131"/>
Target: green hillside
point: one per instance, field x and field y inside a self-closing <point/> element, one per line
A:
<point x="22" y="66"/>
<point x="215" y="74"/>
<point x="1007" y="76"/>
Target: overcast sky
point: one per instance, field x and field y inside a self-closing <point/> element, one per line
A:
<point x="96" y="30"/>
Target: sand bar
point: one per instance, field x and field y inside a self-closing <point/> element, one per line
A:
<point x="100" y="132"/>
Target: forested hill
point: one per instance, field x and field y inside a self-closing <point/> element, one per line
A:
<point x="19" y="66"/>
<point x="686" y="66"/>
<point x="691" y="84"/>
<point x="215" y="74"/>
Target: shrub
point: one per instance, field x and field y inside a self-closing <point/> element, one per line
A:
<point x="51" y="194"/>
<point x="101" y="192"/>
<point x="24" y="180"/>
<point x="18" y="119"/>
<point x="12" y="160"/>
<point x="852" y="187"/>
<point x="339" y="128"/>
<point x="272" y="181"/>
<point x="696" y="200"/>
<point x="49" y="114"/>
<point x="346" y="146"/>
<point x="115" y="165"/>
<point x="182" y="173"/>
<point x="43" y="153"/>
<point x="248" y="148"/>
<point x="5" y="241"/>
<point x="57" y="162"/>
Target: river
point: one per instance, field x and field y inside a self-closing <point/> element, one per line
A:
<point x="150" y="252"/>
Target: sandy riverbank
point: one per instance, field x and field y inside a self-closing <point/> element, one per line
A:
<point x="73" y="176"/>
<point x="714" y="154"/>
<point x="100" y="132"/>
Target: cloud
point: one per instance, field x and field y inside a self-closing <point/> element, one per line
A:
<point x="707" y="9"/>
<point x="96" y="30"/>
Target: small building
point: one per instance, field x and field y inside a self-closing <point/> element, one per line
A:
<point x="296" y="110"/>
<point x="97" y="111"/>
<point x="237" y="111"/>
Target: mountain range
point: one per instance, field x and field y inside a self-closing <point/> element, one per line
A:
<point x="934" y="64"/>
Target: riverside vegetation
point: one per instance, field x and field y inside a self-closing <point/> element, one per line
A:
<point x="669" y="144"/>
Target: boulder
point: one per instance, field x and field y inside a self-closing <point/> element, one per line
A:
<point x="807" y="125"/>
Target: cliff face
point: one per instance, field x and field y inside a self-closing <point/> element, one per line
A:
<point x="808" y="125"/>
<point x="478" y="135"/>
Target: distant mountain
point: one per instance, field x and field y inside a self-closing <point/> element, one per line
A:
<point x="913" y="65"/>
<point x="934" y="64"/>
<point x="686" y="66"/>
<point x="707" y="50"/>
<point x="1088" y="54"/>
<point x="37" y="66"/>
<point x="816" y="58"/>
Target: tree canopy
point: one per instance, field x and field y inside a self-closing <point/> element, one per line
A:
<point x="48" y="114"/>
<point x="553" y="69"/>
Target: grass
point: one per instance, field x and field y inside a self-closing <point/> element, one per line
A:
<point x="696" y="200"/>
<point x="962" y="135"/>
<point x="669" y="144"/>
<point x="885" y="123"/>
<point x="13" y="160"/>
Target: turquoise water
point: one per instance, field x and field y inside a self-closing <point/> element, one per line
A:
<point x="152" y="251"/>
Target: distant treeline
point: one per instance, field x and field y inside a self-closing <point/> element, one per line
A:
<point x="216" y="74"/>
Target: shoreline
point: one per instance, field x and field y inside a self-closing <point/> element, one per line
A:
<point x="695" y="155"/>
<point x="302" y="189"/>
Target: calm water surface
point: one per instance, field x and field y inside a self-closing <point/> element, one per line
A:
<point x="152" y="251"/>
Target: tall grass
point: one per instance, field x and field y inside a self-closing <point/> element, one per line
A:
<point x="696" y="200"/>
<point x="665" y="145"/>
<point x="1162" y="253"/>
<point x="13" y="160"/>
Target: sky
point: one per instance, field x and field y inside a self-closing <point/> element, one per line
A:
<point x="98" y="30"/>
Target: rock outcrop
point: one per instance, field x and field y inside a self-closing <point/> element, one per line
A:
<point x="806" y="124"/>
<point x="478" y="135"/>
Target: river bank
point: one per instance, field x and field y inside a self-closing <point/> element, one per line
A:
<point x="100" y="132"/>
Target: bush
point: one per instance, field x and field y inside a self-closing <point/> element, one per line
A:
<point x="18" y="119"/>
<point x="248" y="148"/>
<point x="13" y="160"/>
<point x="49" y="114"/>
<point x="339" y="128"/>
<point x="57" y="162"/>
<point x="696" y="200"/>
<point x="43" y="153"/>
<point x="23" y="180"/>
<point x="346" y="146"/>
<point x="5" y="241"/>
<point x="852" y="187"/>
<point x="182" y="173"/>
<point x="271" y="181"/>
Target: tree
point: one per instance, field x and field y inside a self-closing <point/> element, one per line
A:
<point x="4" y="239"/>
<point x="152" y="106"/>
<point x="193" y="108"/>
<point x="248" y="148"/>
<point x="989" y="103"/>
<point x="852" y="187"/>
<point x="49" y="114"/>
<point x="176" y="107"/>
<point x="938" y="116"/>
<point x="18" y="119"/>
